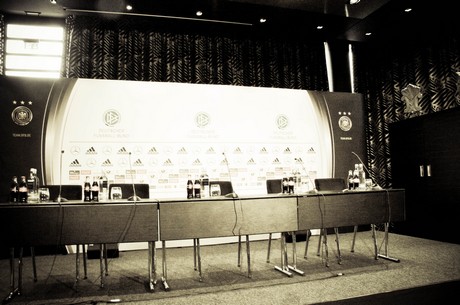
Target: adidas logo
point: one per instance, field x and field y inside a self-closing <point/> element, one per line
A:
<point x="237" y="150"/>
<point x="75" y="163"/>
<point x="311" y="150"/>
<point x="197" y="162"/>
<point x="91" y="151"/>
<point x="168" y="162"/>
<point x="263" y="150"/>
<point x="210" y="150"/>
<point x="287" y="150"/>
<point x="107" y="163"/>
<point x="276" y="161"/>
<point x="251" y="161"/>
<point x="138" y="162"/>
<point x="153" y="150"/>
<point x="122" y="151"/>
<point x="182" y="151"/>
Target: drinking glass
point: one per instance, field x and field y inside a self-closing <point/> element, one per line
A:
<point x="116" y="193"/>
<point x="214" y="189"/>
<point x="44" y="194"/>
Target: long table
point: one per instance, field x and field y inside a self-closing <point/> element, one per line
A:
<point x="176" y="219"/>
<point x="70" y="223"/>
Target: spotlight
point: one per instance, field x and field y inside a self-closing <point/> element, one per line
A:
<point x="354" y="2"/>
<point x="53" y="1"/>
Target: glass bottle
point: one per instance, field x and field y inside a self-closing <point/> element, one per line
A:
<point x="350" y="179"/>
<point x="189" y="188"/>
<point x="87" y="190"/>
<point x="362" y="177"/>
<point x="14" y="189"/>
<point x="197" y="188"/>
<point x="356" y="177"/>
<point x="22" y="190"/>
<point x="95" y="190"/>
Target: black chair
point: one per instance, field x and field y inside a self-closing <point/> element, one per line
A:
<point x="127" y="190"/>
<point x="324" y="185"/>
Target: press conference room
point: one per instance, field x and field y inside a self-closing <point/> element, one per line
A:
<point x="229" y="152"/>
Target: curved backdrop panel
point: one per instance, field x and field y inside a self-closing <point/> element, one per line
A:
<point x="164" y="133"/>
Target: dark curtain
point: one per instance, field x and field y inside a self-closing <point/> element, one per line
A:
<point x="129" y="49"/>
<point x="382" y="72"/>
<point x="2" y="44"/>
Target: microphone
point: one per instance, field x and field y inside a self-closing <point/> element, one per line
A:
<point x="314" y="190"/>
<point x="375" y="186"/>
<point x="232" y="194"/>
<point x="134" y="197"/>
<point x="59" y="198"/>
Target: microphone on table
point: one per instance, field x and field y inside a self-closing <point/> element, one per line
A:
<point x="134" y="197"/>
<point x="232" y="194"/>
<point x="314" y="190"/>
<point x="375" y="186"/>
<point x="59" y="198"/>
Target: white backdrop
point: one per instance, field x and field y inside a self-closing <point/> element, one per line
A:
<point x="163" y="133"/>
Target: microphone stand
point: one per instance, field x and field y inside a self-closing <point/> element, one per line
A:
<point x="60" y="199"/>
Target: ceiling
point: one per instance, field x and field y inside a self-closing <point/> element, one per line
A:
<point x="339" y="19"/>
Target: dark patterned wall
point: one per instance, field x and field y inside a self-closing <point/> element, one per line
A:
<point x="125" y="50"/>
<point x="428" y="69"/>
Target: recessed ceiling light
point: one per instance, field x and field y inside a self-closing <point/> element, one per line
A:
<point x="262" y="20"/>
<point x="199" y="13"/>
<point x="319" y="27"/>
<point x="407" y="10"/>
<point x="129" y="7"/>
<point x="368" y="34"/>
<point x="354" y="2"/>
<point x="53" y="1"/>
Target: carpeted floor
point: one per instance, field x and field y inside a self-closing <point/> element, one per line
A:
<point x="427" y="273"/>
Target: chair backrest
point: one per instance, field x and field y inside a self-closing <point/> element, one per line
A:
<point x="330" y="184"/>
<point x="226" y="187"/>
<point x="142" y="190"/>
<point x="274" y="186"/>
<point x="68" y="191"/>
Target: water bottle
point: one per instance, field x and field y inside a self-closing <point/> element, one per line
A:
<point x="189" y="188"/>
<point x="87" y="190"/>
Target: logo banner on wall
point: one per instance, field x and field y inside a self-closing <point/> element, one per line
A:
<point x="164" y="133"/>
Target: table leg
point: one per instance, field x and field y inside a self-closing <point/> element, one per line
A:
<point x="152" y="266"/>
<point x="248" y="253"/>
<point x="294" y="256"/>
<point x="385" y="256"/>
<point x="13" y="291"/>
<point x="283" y="268"/>
<point x="165" y="269"/>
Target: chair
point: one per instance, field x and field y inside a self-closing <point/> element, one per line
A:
<point x="328" y="185"/>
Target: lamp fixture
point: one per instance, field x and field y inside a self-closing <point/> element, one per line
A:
<point x="352" y="2"/>
<point x="199" y="13"/>
<point x="262" y="20"/>
<point x="53" y="1"/>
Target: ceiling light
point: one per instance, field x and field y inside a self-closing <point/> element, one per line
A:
<point x="30" y="13"/>
<point x="368" y="34"/>
<point x="53" y="1"/>
<point x="407" y="10"/>
<point x="262" y="20"/>
<point x="129" y="7"/>
<point x="319" y="27"/>
<point x="354" y="2"/>
<point x="199" y="13"/>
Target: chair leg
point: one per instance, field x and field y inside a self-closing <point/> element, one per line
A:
<point x="105" y="260"/>
<point x="34" y="266"/>
<point x="85" y="268"/>
<point x="248" y="253"/>
<point x="318" y="252"/>
<point x="339" y="255"/>
<point x="269" y="247"/>
<point x="355" y="229"/>
<point x="239" y="251"/>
